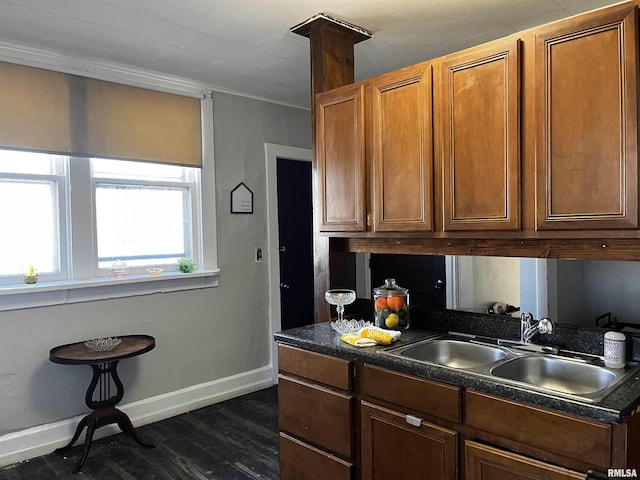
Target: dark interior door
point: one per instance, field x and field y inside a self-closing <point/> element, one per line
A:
<point x="295" y="242"/>
<point x="423" y="275"/>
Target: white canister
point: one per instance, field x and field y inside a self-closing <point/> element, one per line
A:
<point x="614" y="349"/>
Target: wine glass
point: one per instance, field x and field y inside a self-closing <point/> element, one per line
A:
<point x="340" y="297"/>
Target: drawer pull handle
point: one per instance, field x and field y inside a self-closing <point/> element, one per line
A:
<point x="415" y="421"/>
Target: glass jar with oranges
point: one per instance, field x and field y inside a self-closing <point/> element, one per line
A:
<point x="391" y="306"/>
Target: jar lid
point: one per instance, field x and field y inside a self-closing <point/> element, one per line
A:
<point x="615" y="336"/>
<point x="390" y="288"/>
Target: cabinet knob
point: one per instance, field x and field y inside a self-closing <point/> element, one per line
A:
<point x="284" y="285"/>
<point x="412" y="420"/>
<point x="438" y="284"/>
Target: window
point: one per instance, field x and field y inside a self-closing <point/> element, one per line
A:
<point x="72" y="218"/>
<point x="145" y="213"/>
<point x="32" y="215"/>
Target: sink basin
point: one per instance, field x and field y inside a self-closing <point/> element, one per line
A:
<point x="564" y="376"/>
<point x="454" y="353"/>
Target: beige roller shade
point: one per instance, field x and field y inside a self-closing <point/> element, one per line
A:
<point x="34" y="109"/>
<point x="55" y="112"/>
<point x="135" y="123"/>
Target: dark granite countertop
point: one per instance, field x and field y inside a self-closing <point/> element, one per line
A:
<point x="614" y="408"/>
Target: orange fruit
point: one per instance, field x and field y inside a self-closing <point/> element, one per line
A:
<point x="381" y="303"/>
<point x="395" y="303"/>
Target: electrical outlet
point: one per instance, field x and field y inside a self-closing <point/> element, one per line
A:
<point x="259" y="256"/>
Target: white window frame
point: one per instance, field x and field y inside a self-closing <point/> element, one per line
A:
<point x="60" y="180"/>
<point x="85" y="286"/>
<point x="191" y="183"/>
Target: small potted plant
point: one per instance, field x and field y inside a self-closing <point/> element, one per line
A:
<point x="186" y="265"/>
<point x="31" y="277"/>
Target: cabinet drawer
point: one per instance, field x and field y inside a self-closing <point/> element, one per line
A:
<point x="300" y="461"/>
<point x="414" y="393"/>
<point x="557" y="433"/>
<point x="320" y="368"/>
<point x="489" y="463"/>
<point x="317" y="414"/>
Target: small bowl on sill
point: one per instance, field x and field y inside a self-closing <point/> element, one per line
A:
<point x="154" y="272"/>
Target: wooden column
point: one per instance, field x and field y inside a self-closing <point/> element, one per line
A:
<point x="332" y="66"/>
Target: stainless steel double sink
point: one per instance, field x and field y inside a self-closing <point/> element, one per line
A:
<point x="569" y="374"/>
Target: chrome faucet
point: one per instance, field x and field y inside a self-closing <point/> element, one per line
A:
<point x="529" y="327"/>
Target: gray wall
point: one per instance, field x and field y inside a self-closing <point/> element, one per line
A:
<point x="571" y="294"/>
<point x="201" y="335"/>
<point x="590" y="288"/>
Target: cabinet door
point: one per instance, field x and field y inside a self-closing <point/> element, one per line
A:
<point x="393" y="449"/>
<point x="480" y="104"/>
<point x="586" y="115"/>
<point x="402" y="150"/>
<point x="489" y="463"/>
<point x="340" y="159"/>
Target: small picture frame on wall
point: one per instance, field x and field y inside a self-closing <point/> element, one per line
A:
<point x="241" y="199"/>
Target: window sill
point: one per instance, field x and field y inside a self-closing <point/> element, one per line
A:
<point x="16" y="297"/>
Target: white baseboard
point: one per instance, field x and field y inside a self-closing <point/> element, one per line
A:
<point x="43" y="439"/>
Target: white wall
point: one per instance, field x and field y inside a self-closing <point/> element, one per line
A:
<point x="483" y="281"/>
<point x="538" y="287"/>
<point x="202" y="335"/>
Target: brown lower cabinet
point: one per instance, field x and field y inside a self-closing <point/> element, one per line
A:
<point x="343" y="419"/>
<point x="302" y="461"/>
<point x="484" y="462"/>
<point x="318" y="414"/>
<point x="315" y="412"/>
<point x="400" y="446"/>
<point x="558" y="437"/>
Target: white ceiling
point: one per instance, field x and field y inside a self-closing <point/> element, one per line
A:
<point x="245" y="45"/>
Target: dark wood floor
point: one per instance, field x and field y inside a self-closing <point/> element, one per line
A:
<point x="232" y="440"/>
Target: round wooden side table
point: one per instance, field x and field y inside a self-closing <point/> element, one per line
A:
<point x="105" y="375"/>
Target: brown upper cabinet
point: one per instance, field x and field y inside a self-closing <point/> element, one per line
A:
<point x="532" y="137"/>
<point x="480" y="117"/>
<point x="340" y="156"/>
<point x="586" y="118"/>
<point x="402" y="150"/>
<point x="400" y="163"/>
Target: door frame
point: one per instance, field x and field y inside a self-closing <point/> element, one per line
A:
<point x="272" y="153"/>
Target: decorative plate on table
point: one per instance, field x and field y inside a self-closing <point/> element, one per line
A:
<point x="349" y="326"/>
